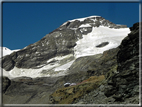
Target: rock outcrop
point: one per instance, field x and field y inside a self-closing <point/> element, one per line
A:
<point x="5" y="83"/>
<point x="126" y="82"/>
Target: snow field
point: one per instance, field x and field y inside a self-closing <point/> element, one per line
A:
<point x="87" y="45"/>
<point x="51" y="69"/>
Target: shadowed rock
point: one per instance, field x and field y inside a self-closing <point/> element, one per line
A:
<point x="102" y="44"/>
<point x="126" y="81"/>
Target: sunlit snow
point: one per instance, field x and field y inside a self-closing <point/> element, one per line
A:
<point x="82" y="19"/>
<point x="87" y="45"/>
<point x="85" y="25"/>
<point x="16" y="72"/>
<point x="65" y="66"/>
<point x="59" y="58"/>
<point x="49" y="69"/>
<point x="5" y="51"/>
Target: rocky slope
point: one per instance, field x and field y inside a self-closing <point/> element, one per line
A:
<point x="121" y="82"/>
<point x="108" y="78"/>
<point x="81" y="69"/>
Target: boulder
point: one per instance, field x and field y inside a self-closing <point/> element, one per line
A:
<point x="102" y="44"/>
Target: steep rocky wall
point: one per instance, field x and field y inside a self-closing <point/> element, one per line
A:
<point x="126" y="81"/>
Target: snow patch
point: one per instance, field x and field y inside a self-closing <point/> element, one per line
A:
<point x="65" y="66"/>
<point x="64" y="23"/>
<point x="85" y="25"/>
<point x="53" y="65"/>
<point x="6" y="73"/>
<point x="94" y="20"/>
<point x="58" y="58"/>
<point x="33" y="73"/>
<point x="5" y="51"/>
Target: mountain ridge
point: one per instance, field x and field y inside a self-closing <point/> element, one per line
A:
<point x="70" y="41"/>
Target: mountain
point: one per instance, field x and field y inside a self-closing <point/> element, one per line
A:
<point x="57" y="51"/>
<point x="76" y="65"/>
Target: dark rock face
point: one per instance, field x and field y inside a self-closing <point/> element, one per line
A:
<point x="60" y="42"/>
<point x="8" y="63"/>
<point x="5" y="83"/>
<point x="129" y="51"/>
<point x="126" y="82"/>
<point x="102" y="44"/>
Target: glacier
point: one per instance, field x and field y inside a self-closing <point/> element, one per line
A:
<point x="87" y="45"/>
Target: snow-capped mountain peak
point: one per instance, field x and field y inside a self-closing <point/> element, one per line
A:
<point x="56" y="52"/>
<point x="91" y="21"/>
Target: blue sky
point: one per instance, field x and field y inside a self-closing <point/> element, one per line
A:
<point x="27" y="23"/>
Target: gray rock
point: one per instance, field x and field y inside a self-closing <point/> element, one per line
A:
<point x="5" y="84"/>
<point x="126" y="81"/>
<point x="102" y="44"/>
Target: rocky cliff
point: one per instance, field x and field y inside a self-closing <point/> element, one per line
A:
<point x="108" y="78"/>
<point x="121" y="82"/>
